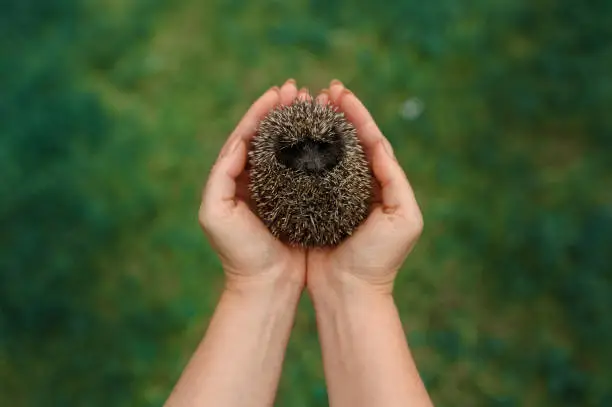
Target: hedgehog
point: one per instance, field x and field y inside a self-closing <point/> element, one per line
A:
<point x="310" y="180"/>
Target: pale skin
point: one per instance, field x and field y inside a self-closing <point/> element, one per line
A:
<point x="366" y="358"/>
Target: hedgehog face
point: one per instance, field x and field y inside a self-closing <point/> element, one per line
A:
<point x="310" y="155"/>
<point x="311" y="143"/>
<point x="310" y="180"/>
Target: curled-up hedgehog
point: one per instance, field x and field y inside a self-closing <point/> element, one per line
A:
<point x="309" y="178"/>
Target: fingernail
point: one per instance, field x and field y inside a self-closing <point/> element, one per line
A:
<point x="274" y="88"/>
<point x="290" y="81"/>
<point x="325" y="91"/>
<point x="304" y="90"/>
<point x="335" y="82"/>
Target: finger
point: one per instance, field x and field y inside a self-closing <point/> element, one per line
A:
<point x="288" y="92"/>
<point x="304" y="94"/>
<point x="395" y="190"/>
<point x="247" y="126"/>
<point x="220" y="191"/>
<point x="335" y="90"/>
<point x="368" y="132"/>
<point x="323" y="97"/>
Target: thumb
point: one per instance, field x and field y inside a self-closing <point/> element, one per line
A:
<point x="220" y="193"/>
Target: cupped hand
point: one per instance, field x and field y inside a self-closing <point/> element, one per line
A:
<point x="372" y="256"/>
<point x="250" y="255"/>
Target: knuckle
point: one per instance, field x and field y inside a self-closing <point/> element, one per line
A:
<point x="412" y="225"/>
<point x="206" y="217"/>
<point x="371" y="127"/>
<point x="417" y="220"/>
<point x="214" y="169"/>
<point x="418" y="225"/>
<point x="213" y="218"/>
<point x="203" y="219"/>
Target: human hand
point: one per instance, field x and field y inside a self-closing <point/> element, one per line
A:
<point x="372" y="256"/>
<point x="250" y="255"/>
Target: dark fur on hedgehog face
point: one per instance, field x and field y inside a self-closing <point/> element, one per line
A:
<point x="311" y="155"/>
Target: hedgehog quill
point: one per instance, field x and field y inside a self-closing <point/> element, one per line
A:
<point x="309" y="177"/>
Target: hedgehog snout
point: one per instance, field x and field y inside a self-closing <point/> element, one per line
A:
<point x="313" y="160"/>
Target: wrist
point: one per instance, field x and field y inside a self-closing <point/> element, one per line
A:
<point x="285" y="283"/>
<point x="261" y="300"/>
<point x="325" y="280"/>
<point x="334" y="287"/>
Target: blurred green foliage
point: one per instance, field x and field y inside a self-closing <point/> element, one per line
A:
<point x="112" y="111"/>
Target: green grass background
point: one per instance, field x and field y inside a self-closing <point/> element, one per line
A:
<point x="112" y="112"/>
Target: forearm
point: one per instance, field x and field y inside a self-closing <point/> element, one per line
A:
<point x="365" y="354"/>
<point x="239" y="361"/>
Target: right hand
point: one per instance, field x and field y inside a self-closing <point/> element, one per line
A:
<point x="250" y="255"/>
<point x="372" y="256"/>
